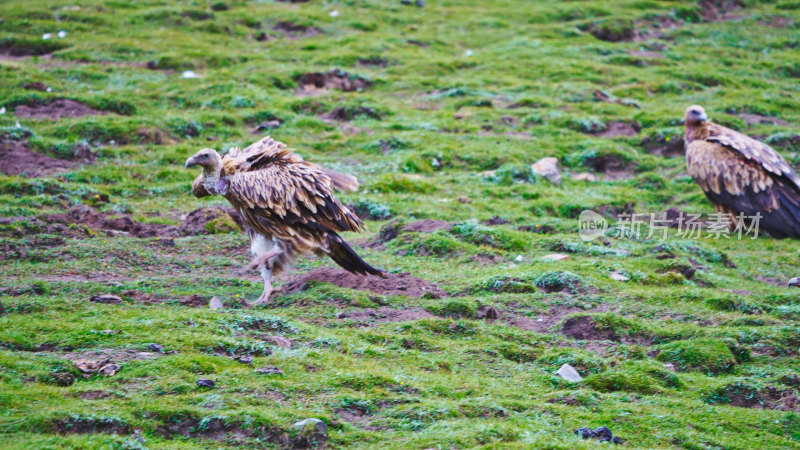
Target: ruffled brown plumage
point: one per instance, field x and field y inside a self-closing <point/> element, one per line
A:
<point x="741" y="175"/>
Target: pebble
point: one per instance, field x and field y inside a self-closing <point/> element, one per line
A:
<point x="569" y="373"/>
<point x="556" y="257"/>
<point x="487" y="312"/>
<point x="106" y="298"/>
<point x="155" y="348"/>
<point x="602" y="434"/>
<point x="269" y="370"/>
<point x="311" y="433"/>
<point x="215" y="304"/>
<point x="548" y="168"/>
<point x="280" y="341"/>
<point x="584" y="176"/>
<point x="794" y="282"/>
<point x="619" y="276"/>
<point x="245" y="359"/>
<point x="203" y="382"/>
<point x="189" y="74"/>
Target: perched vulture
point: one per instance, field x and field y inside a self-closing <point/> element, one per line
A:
<point x="741" y="175"/>
<point x="286" y="203"/>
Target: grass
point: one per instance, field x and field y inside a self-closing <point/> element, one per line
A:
<point x="464" y="96"/>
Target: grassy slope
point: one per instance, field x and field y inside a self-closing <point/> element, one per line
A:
<point x="444" y="382"/>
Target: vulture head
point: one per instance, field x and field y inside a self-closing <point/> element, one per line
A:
<point x="206" y="158"/>
<point x="695" y="115"/>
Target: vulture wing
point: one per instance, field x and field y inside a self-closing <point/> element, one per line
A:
<point x="742" y="175"/>
<point x="198" y="190"/>
<point x="296" y="194"/>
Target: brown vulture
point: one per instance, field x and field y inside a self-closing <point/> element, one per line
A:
<point x="741" y="175"/>
<point x="286" y="203"/>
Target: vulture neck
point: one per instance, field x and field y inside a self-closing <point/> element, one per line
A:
<point x="691" y="130"/>
<point x="210" y="179"/>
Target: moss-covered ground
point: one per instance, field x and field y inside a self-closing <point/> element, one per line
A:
<point x="698" y="349"/>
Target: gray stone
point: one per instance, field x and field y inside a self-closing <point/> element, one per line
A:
<point x="206" y="383"/>
<point x="215" y="304"/>
<point x="569" y="373"/>
<point x="794" y="282"/>
<point x="548" y="168"/>
<point x="310" y="433"/>
<point x="269" y="370"/>
<point x="617" y="276"/>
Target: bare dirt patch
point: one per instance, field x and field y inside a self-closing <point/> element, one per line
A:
<point x="348" y="113"/>
<point x="94" y="394"/>
<point x="402" y="284"/>
<point x="295" y="30"/>
<point x="662" y="146"/>
<point x="17" y="159"/>
<point x="86" y="215"/>
<point x="427" y="226"/>
<point x="370" y="316"/>
<point x="197" y="221"/>
<point x="373" y="61"/>
<point x="757" y="119"/>
<point x="769" y="397"/>
<point x="85" y="425"/>
<point x="613" y="167"/>
<point x="335" y="79"/>
<point x="584" y="328"/>
<point x="218" y="430"/>
<point x="719" y="10"/>
<point x="620" y="128"/>
<point x="58" y="109"/>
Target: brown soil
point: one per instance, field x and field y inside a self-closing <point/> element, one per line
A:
<point x="91" y="426"/>
<point x="116" y="355"/>
<point x="768" y="398"/>
<point x="367" y="317"/>
<point x="496" y="220"/>
<point x="55" y="110"/>
<point x="654" y="28"/>
<point x="195" y="222"/>
<point x="35" y="86"/>
<point x="335" y="79"/>
<point x="93" y="395"/>
<point x="613" y="167"/>
<point x="756" y="119"/>
<point x="373" y="61"/>
<point x="619" y="128"/>
<point x="427" y="226"/>
<point x="296" y="30"/>
<point x="401" y="284"/>
<point x="216" y="429"/>
<point x="662" y="147"/>
<point x="17" y="159"/>
<point x="85" y="215"/>
<point x="544" y="322"/>
<point x="719" y="10"/>
<point x="615" y="211"/>
<point x="346" y="114"/>
<point x="585" y="328"/>
<point x="192" y="301"/>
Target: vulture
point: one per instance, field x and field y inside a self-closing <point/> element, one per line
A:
<point x="286" y="203"/>
<point x="742" y="176"/>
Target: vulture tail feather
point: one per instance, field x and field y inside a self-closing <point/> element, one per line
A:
<point x="344" y="255"/>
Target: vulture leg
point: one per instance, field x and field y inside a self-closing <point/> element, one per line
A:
<point x="263" y="250"/>
<point x="266" y="273"/>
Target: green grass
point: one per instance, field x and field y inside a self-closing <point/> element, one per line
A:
<point x="446" y="131"/>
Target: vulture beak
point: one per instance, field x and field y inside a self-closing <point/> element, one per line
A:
<point x="191" y="162"/>
<point x="703" y="117"/>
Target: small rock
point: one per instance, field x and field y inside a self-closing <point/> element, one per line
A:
<point x="47" y="36"/>
<point x="311" y="433"/>
<point x="487" y="312"/>
<point x="106" y="298"/>
<point x="109" y="370"/>
<point x="420" y="3"/>
<point x="569" y="373"/>
<point x="189" y="74"/>
<point x="794" y="282"/>
<point x="269" y="370"/>
<point x="61" y="34"/>
<point x="556" y="257"/>
<point x="272" y="124"/>
<point x="617" y="276"/>
<point x="548" y="168"/>
<point x="341" y="315"/>
<point x="211" y="138"/>
<point x="204" y="382"/>
<point x="334" y="13"/>
<point x="215" y="304"/>
<point x="602" y="434"/>
<point x="465" y="200"/>
<point x="245" y="359"/>
<point x="280" y="341"/>
<point x="261" y="37"/>
<point x="63" y="378"/>
<point x="669" y="366"/>
<point x="155" y="348"/>
<point x="584" y="176"/>
<point x="110" y="332"/>
<point x="89" y="366"/>
<point x="519" y="258"/>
